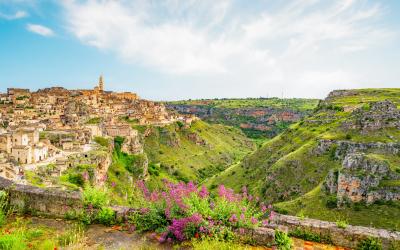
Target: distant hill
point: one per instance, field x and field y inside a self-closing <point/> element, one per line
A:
<point x="341" y="162"/>
<point x="256" y="117"/>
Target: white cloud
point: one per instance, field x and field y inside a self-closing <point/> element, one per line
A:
<point x="40" y="29"/>
<point x="17" y="15"/>
<point x="271" y="47"/>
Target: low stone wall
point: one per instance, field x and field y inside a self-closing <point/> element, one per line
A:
<point x="40" y="201"/>
<point x="348" y="237"/>
<point x="56" y="203"/>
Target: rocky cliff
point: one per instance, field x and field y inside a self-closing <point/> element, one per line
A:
<point x="264" y="117"/>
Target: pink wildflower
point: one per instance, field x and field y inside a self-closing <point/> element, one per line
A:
<point x="203" y="192"/>
<point x="263" y="208"/>
<point x="233" y="218"/>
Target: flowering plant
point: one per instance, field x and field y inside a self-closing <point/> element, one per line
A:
<point x="183" y="211"/>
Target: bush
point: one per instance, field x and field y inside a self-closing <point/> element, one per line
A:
<point x="282" y="240"/>
<point x="94" y="197"/>
<point x="149" y="219"/>
<point x="102" y="141"/>
<point x="183" y="211"/>
<point x="370" y="244"/>
<point x="106" y="216"/>
<point x="76" y="178"/>
<point x="341" y="224"/>
<point x="331" y="202"/>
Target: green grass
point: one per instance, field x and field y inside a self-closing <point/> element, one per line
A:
<point x="94" y="120"/>
<point x="187" y="160"/>
<point x="313" y="205"/>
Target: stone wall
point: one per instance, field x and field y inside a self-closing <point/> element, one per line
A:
<point x="40" y="201"/>
<point x="348" y="237"/>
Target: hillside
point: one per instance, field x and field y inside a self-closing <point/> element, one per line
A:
<point x="176" y="152"/>
<point x="338" y="161"/>
<point x="197" y="151"/>
<point x="256" y="117"/>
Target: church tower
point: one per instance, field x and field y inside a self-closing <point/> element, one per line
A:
<point x="101" y="84"/>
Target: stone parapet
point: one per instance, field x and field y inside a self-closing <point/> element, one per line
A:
<point x="40" y="201"/>
<point x="348" y="237"/>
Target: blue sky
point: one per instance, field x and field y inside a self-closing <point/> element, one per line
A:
<point x="181" y="49"/>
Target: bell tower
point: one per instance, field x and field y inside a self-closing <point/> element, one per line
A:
<point x="101" y="83"/>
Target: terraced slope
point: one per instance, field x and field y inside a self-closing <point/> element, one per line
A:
<point x="341" y="160"/>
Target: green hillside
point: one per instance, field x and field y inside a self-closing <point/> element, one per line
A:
<point x="198" y="151"/>
<point x="289" y="167"/>
<point x="175" y="152"/>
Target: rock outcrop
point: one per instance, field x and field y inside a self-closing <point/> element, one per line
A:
<point x="362" y="179"/>
<point x="374" y="116"/>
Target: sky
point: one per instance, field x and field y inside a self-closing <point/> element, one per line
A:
<point x="191" y="49"/>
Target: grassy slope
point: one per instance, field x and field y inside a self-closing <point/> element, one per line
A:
<point x="225" y="145"/>
<point x="313" y="205"/>
<point x="285" y="168"/>
<point x="184" y="161"/>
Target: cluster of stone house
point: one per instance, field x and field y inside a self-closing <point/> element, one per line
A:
<point x="23" y="146"/>
<point x="41" y="124"/>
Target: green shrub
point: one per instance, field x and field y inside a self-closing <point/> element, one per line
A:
<point x="282" y="240"/>
<point x="331" y="202"/>
<point x="76" y="178"/>
<point x="369" y="244"/>
<point x="102" y="141"/>
<point x="94" y="197"/>
<point x="106" y="216"/>
<point x="341" y="224"/>
<point x="150" y="219"/>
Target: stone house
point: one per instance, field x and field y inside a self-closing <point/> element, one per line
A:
<point x="67" y="144"/>
<point x="20" y="138"/>
<point x="22" y="154"/>
<point x="119" y="130"/>
<point x="40" y="152"/>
